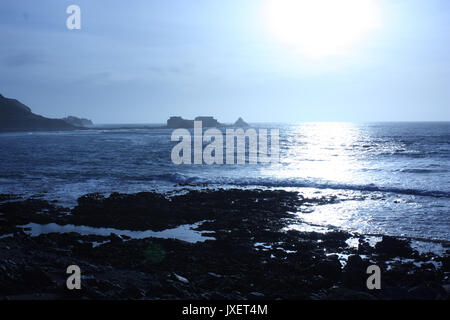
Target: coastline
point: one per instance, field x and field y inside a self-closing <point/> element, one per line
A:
<point x="245" y="254"/>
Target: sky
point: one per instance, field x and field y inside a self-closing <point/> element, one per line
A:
<point x="143" y="61"/>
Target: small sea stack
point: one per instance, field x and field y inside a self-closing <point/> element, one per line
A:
<point x="240" y="123"/>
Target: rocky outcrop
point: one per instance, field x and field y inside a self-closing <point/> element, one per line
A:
<point x="78" y="122"/>
<point x="392" y="247"/>
<point x="15" y="116"/>
<point x="246" y="256"/>
<point x="207" y="122"/>
<point x="240" y="123"/>
<point x="179" y="122"/>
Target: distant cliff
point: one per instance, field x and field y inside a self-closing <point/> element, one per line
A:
<point x="78" y="122"/>
<point x="15" y="116"/>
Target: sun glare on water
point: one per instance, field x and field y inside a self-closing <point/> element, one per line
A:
<point x="321" y="27"/>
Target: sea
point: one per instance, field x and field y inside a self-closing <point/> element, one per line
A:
<point x="374" y="178"/>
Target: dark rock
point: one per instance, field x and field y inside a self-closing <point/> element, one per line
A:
<point x="393" y="247"/>
<point x="115" y="238"/>
<point x="289" y="265"/>
<point x="240" y="123"/>
<point x="446" y="263"/>
<point x="35" y="277"/>
<point x="427" y="291"/>
<point x="83" y="248"/>
<point x="335" y="239"/>
<point x="257" y="295"/>
<point x="15" y="116"/>
<point x="364" y="247"/>
<point x="180" y="278"/>
<point x="179" y="122"/>
<point x="78" y="122"/>
<point x="391" y="293"/>
<point x="330" y="268"/>
<point x="447" y="289"/>
<point x="354" y="273"/>
<point x="208" y="122"/>
<point x="348" y="294"/>
<point x="132" y="292"/>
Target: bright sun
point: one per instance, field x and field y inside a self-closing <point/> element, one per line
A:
<point x="321" y="27"/>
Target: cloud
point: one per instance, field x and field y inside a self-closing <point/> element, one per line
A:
<point x="177" y="70"/>
<point x="23" y="59"/>
<point x="94" y="79"/>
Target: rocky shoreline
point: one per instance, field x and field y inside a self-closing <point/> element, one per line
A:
<point x="245" y="254"/>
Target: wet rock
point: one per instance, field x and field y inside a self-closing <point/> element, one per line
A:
<point x="180" y="278"/>
<point x="290" y="265"/>
<point x="96" y="294"/>
<point x="115" y="238"/>
<point x="35" y="277"/>
<point x="82" y="249"/>
<point x="348" y="294"/>
<point x="364" y="247"/>
<point x="391" y="293"/>
<point x="447" y="289"/>
<point x="446" y="263"/>
<point x="427" y="291"/>
<point x="335" y="239"/>
<point x="393" y="247"/>
<point x="30" y="210"/>
<point x="215" y="275"/>
<point x="132" y="292"/>
<point x="354" y="273"/>
<point x="329" y="267"/>
<point x="257" y="295"/>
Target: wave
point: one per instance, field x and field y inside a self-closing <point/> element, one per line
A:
<point x="422" y="170"/>
<point x="176" y="178"/>
<point x="293" y="183"/>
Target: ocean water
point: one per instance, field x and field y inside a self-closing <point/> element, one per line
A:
<point x="381" y="178"/>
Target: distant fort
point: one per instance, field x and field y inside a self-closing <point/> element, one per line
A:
<point x="179" y="122"/>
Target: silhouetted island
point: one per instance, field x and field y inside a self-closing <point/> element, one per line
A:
<point x="179" y="122"/>
<point x="78" y="122"/>
<point x="208" y="121"/>
<point x="15" y="116"/>
<point x="240" y="123"/>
